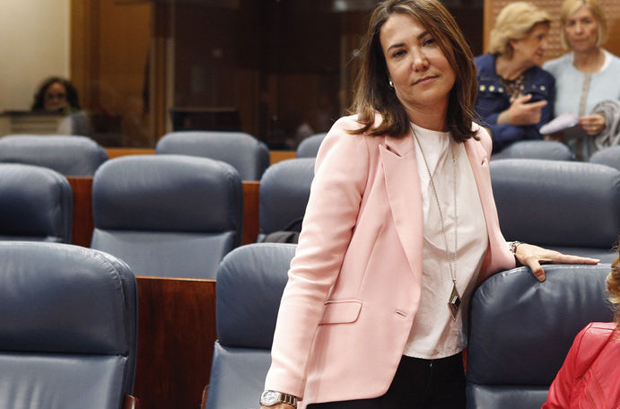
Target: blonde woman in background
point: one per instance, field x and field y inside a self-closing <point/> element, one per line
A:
<point x="515" y="95"/>
<point x="586" y="76"/>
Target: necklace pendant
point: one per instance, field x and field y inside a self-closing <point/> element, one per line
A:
<point x="454" y="302"/>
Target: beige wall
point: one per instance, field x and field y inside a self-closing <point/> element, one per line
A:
<point x="34" y="44"/>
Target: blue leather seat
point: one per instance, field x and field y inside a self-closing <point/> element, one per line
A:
<point x="521" y="330"/>
<point x="608" y="156"/>
<point x="549" y="150"/>
<point x="244" y="152"/>
<point x="284" y="193"/>
<point x="249" y="287"/>
<point x="572" y="207"/>
<point x="309" y="147"/>
<point x="36" y="204"/>
<point x="66" y="154"/>
<point x="68" y="327"/>
<point x="167" y="215"/>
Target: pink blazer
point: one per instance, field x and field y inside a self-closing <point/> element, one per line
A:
<point x="354" y="283"/>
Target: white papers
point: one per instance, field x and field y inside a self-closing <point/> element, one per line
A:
<point x="561" y="123"/>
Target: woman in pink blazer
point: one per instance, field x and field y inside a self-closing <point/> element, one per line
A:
<point x="400" y="226"/>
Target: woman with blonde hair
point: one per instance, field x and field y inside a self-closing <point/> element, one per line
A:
<point x="587" y="76"/>
<point x="515" y="95"/>
<point x="590" y="375"/>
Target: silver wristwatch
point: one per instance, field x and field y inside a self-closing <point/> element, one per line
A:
<point x="270" y="398"/>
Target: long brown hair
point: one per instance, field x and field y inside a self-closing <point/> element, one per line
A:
<point x="373" y="93"/>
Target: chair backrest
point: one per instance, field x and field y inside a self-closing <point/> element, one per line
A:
<point x="521" y="330"/>
<point x="284" y="193"/>
<point x="68" y="327"/>
<point x="36" y="204"/>
<point x="66" y="154"/>
<point x="550" y="150"/>
<point x="249" y="287"/>
<point x="608" y="156"/>
<point x="244" y="152"/>
<point x="167" y="215"/>
<point x="569" y="206"/>
<point x="309" y="147"/>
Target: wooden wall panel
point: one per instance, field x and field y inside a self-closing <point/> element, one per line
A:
<point x="612" y="12"/>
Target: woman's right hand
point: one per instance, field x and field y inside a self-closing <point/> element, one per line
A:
<point x="522" y="112"/>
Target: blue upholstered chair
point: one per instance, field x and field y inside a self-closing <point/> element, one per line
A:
<point x="521" y="330"/>
<point x="250" y="282"/>
<point x="244" y="152"/>
<point x="36" y="204"/>
<point x="167" y="215"/>
<point x="550" y="150"/>
<point x="573" y="207"/>
<point x="309" y="147"/>
<point x="608" y="156"/>
<point x="68" y="327"/>
<point x="284" y="193"/>
<point x="68" y="155"/>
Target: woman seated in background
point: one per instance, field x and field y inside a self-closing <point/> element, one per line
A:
<point x="58" y="95"/>
<point x="590" y="376"/>
<point x="587" y="76"/>
<point x="515" y="95"/>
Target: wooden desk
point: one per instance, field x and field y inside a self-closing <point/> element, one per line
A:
<point x="176" y="333"/>
<point x="83" y="223"/>
<point x="275" y="156"/>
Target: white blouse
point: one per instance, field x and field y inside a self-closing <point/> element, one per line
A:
<point x="434" y="333"/>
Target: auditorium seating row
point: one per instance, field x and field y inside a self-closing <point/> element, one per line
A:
<point x="178" y="215"/>
<point x="81" y="156"/>
<point x="54" y="340"/>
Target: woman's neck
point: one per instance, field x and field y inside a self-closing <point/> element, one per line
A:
<point x="510" y="68"/>
<point x="589" y="61"/>
<point x="434" y="120"/>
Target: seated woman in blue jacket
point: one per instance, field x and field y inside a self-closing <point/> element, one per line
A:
<point x="515" y="95"/>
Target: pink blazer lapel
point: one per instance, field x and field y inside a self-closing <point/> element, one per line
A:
<point x="403" y="189"/>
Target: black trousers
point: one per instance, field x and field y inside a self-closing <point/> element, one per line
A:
<point x="418" y="384"/>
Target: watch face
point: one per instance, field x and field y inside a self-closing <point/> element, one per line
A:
<point x="269" y="398"/>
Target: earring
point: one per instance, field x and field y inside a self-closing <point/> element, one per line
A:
<point x="391" y="84"/>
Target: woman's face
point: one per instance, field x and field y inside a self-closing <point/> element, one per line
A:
<point x="581" y="30"/>
<point x="421" y="73"/>
<point x="55" y="97"/>
<point x="531" y="49"/>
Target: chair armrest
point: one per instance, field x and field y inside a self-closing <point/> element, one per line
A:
<point x="131" y="402"/>
<point x="205" y="391"/>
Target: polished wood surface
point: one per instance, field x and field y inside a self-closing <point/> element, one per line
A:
<point x="175" y="342"/>
<point x="275" y="156"/>
<point x="83" y="223"/>
<point x="117" y="152"/>
<point x="251" y="201"/>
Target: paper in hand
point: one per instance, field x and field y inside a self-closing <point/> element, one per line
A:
<point x="561" y="123"/>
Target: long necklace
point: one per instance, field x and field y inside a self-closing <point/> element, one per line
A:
<point x="454" y="302"/>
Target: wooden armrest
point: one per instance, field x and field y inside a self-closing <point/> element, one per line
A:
<point x="203" y="405"/>
<point x="131" y="402"/>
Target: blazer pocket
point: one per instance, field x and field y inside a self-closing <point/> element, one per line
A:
<point x="341" y="311"/>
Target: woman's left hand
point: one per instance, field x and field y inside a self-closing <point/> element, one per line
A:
<point x="593" y="124"/>
<point x="533" y="256"/>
